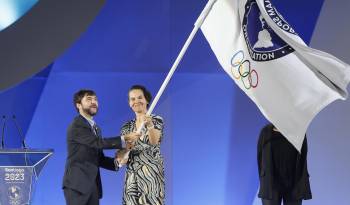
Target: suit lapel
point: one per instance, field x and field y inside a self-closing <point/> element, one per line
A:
<point x="96" y="132"/>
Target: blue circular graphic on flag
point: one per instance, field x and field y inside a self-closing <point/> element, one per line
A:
<point x="277" y="17"/>
<point x="262" y="42"/>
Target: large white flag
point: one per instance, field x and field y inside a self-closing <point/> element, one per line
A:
<point x="287" y="80"/>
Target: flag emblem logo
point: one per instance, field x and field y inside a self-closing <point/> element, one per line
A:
<point x="262" y="42"/>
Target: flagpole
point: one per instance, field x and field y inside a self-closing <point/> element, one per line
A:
<point x="197" y="25"/>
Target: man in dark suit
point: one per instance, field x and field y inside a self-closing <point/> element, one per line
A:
<point x="82" y="181"/>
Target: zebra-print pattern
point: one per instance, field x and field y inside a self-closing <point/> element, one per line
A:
<point x="144" y="179"/>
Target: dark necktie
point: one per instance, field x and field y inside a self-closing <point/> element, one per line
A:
<point x="94" y="127"/>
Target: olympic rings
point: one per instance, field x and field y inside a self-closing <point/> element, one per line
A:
<point x="241" y="69"/>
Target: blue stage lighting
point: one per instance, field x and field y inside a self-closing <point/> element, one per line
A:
<point x="12" y="10"/>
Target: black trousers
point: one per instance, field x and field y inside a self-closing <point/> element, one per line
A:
<point x="76" y="198"/>
<point x="279" y="202"/>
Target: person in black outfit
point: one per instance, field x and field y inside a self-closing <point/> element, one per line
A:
<point x="283" y="170"/>
<point x="82" y="181"/>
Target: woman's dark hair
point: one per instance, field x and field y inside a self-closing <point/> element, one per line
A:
<point x="78" y="96"/>
<point x="146" y="93"/>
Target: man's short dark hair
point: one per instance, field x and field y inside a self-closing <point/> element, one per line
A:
<point x="146" y="93"/>
<point x="78" y="96"/>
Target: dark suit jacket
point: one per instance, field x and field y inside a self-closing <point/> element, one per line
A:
<point x="267" y="189"/>
<point x="85" y="156"/>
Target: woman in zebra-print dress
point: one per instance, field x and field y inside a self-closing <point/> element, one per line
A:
<point x="144" y="180"/>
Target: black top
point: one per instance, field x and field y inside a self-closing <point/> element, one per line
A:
<point x="284" y="159"/>
<point x="282" y="169"/>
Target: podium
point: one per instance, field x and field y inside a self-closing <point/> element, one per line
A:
<point x="19" y="170"/>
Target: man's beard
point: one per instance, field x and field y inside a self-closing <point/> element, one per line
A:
<point x="89" y="111"/>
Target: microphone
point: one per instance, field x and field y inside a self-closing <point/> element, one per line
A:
<point x="19" y="131"/>
<point x="3" y="131"/>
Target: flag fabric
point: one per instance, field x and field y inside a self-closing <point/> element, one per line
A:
<point x="288" y="81"/>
